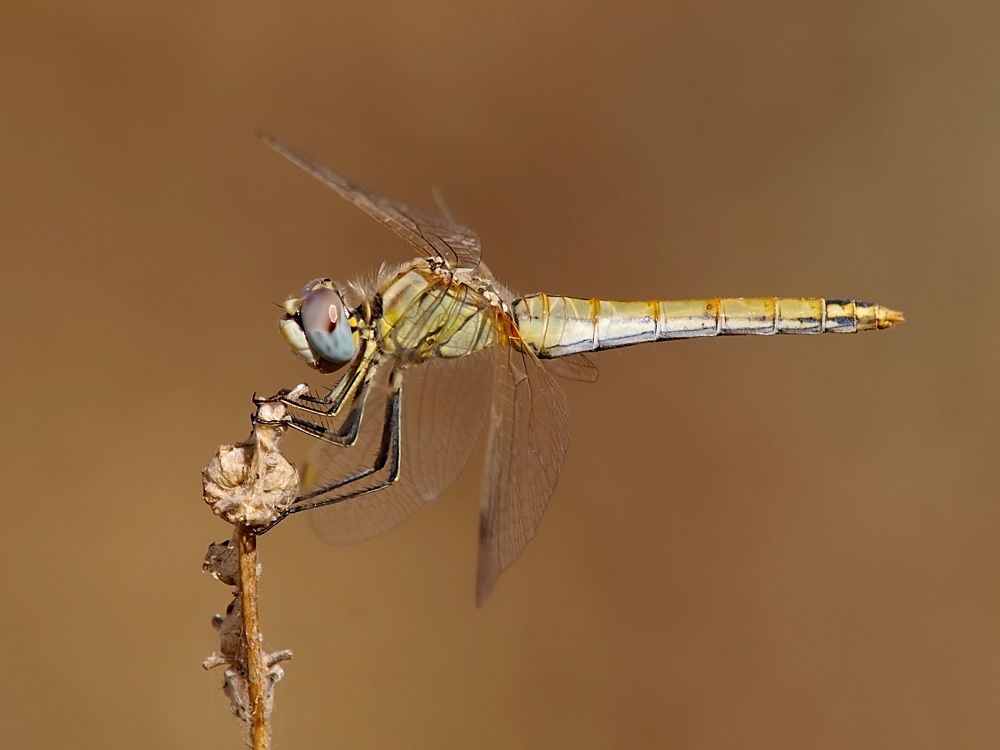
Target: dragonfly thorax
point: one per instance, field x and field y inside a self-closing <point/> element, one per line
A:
<point x="426" y="314"/>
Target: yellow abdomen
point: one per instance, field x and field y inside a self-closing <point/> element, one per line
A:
<point x="557" y="326"/>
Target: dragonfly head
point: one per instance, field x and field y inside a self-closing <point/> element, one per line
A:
<point x="319" y="328"/>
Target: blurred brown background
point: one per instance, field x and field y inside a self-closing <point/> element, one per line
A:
<point x="688" y="587"/>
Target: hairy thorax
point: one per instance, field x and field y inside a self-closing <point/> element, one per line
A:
<point x="428" y="312"/>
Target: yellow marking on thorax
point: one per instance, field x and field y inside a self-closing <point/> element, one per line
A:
<point x="425" y="315"/>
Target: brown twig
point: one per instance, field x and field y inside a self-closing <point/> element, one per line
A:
<point x="249" y="485"/>
<point x="246" y="546"/>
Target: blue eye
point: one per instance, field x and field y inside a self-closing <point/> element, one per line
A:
<point x="327" y="326"/>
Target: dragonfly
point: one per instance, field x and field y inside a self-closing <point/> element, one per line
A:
<point x="435" y="352"/>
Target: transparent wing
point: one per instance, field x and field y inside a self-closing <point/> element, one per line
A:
<point x="436" y="237"/>
<point x="529" y="434"/>
<point x="577" y="367"/>
<point x="445" y="405"/>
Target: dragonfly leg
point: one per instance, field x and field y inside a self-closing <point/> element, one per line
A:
<point x="354" y="385"/>
<point x="348" y="388"/>
<point x="388" y="454"/>
<point x="344" y="435"/>
<point x="330" y="404"/>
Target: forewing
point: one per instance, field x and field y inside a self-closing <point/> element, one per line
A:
<point x="445" y="405"/>
<point x="529" y="434"/>
<point x="433" y="236"/>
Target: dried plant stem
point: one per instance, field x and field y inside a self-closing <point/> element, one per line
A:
<point x="246" y="545"/>
<point x="249" y="485"/>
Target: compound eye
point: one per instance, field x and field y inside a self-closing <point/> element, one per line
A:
<point x="327" y="326"/>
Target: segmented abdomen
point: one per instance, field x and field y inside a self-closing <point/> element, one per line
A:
<point x="556" y="326"/>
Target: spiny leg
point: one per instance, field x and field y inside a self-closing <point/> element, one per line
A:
<point x="354" y="384"/>
<point x="389" y="450"/>
<point x="389" y="453"/>
<point x="347" y="433"/>
<point x="330" y="404"/>
<point x="288" y="395"/>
